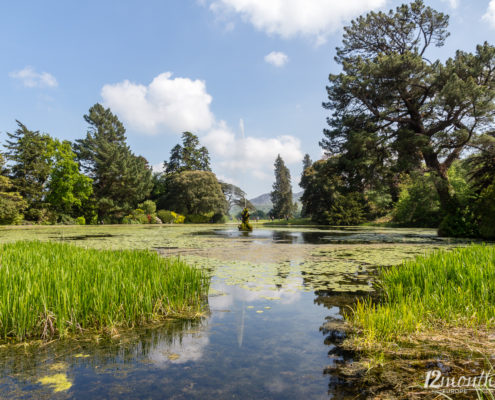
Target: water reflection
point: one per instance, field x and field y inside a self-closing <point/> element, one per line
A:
<point x="343" y="235"/>
<point x="248" y="347"/>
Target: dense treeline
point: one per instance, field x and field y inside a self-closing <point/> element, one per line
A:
<point x="98" y="179"/>
<point x="408" y="138"/>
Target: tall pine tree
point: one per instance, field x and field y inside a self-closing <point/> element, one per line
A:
<point x="188" y="157"/>
<point x="120" y="179"/>
<point x="281" y="195"/>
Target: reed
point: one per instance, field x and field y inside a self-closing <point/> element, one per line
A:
<point x="454" y="288"/>
<point x="54" y="289"/>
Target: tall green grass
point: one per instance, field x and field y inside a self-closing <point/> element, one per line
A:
<point x="455" y="288"/>
<point x="54" y="289"/>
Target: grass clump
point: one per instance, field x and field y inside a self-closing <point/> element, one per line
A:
<point x="455" y="288"/>
<point x="54" y="289"/>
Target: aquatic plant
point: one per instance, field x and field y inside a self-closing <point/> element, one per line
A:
<point x="455" y="288"/>
<point x="245" y="225"/>
<point x="54" y="289"/>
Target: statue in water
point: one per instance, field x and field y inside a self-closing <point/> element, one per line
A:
<point x="245" y="225"/>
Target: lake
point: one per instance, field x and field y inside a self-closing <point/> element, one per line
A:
<point x="271" y="329"/>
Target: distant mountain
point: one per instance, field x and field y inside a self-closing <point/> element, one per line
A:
<point x="263" y="201"/>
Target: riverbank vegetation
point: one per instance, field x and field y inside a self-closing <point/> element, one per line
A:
<point x="435" y="307"/>
<point x="52" y="290"/>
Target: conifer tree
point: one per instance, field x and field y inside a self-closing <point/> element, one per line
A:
<point x="281" y="195"/>
<point x="29" y="153"/>
<point x="120" y="179"/>
<point x="188" y="157"/>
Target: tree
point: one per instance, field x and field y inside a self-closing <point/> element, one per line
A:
<point x="188" y="157"/>
<point x="68" y="189"/>
<point x="326" y="197"/>
<point x="195" y="192"/>
<point x="11" y="203"/>
<point x="307" y="163"/>
<point x="433" y="110"/>
<point x="235" y="196"/>
<point x="281" y="195"/>
<point x="30" y="153"/>
<point x="120" y="179"/>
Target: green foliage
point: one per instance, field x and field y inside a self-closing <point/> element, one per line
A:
<point x="418" y="204"/>
<point x="138" y="216"/>
<point x="52" y="289"/>
<point x="486" y="213"/>
<point x="346" y="209"/>
<point x="219" y="218"/>
<point x="194" y="192"/>
<point x="450" y="288"/>
<point x="393" y="107"/>
<point x="326" y="198"/>
<point x="235" y="196"/>
<point x="199" y="218"/>
<point x="245" y="225"/>
<point x="68" y="189"/>
<point x="461" y="223"/>
<point x="120" y="179"/>
<point x="148" y="207"/>
<point x="188" y="157"/>
<point x="11" y="203"/>
<point x="81" y="221"/>
<point x="281" y="195"/>
<point x="166" y="216"/>
<point x="30" y="155"/>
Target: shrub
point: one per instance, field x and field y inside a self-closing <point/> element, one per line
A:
<point x="170" y="217"/>
<point x="486" y="212"/>
<point x="461" y="224"/>
<point x="81" y="221"/>
<point x="199" y="218"/>
<point x="219" y="218"/>
<point x="418" y="204"/>
<point x="166" y="216"/>
<point x="148" y="207"/>
<point x="179" y="219"/>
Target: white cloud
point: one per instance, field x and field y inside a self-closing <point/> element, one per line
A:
<point x="30" y="78"/>
<point x="251" y="154"/>
<point x="277" y="58"/>
<point x="288" y="18"/>
<point x="452" y="3"/>
<point x="182" y="104"/>
<point x="490" y="14"/>
<point x="178" y="104"/>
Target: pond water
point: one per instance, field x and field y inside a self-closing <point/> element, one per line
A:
<point x="275" y="306"/>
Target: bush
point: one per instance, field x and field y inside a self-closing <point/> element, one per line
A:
<point x="166" y="216"/>
<point x="461" y="224"/>
<point x="179" y="219"/>
<point x="148" y="207"/>
<point x="486" y="213"/>
<point x="66" y="220"/>
<point x="198" y="218"/>
<point x="219" y="218"/>
<point x="170" y="217"/>
<point x="418" y="204"/>
<point x="81" y="221"/>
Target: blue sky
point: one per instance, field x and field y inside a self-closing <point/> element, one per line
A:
<point x="201" y="65"/>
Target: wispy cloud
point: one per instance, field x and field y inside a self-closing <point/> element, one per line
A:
<point x="31" y="78"/>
